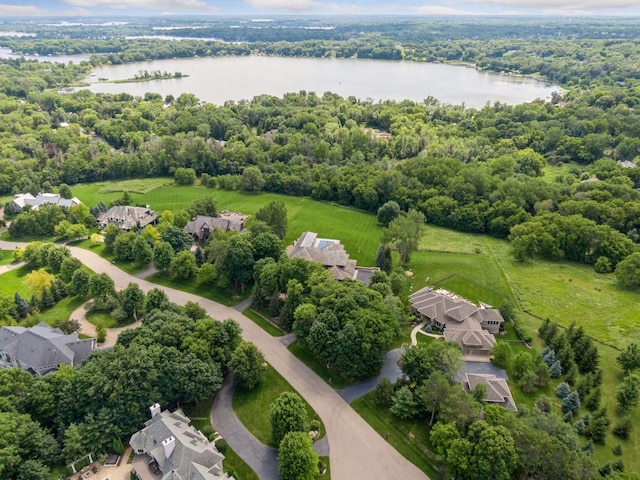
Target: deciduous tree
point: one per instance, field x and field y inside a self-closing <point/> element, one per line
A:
<point x="248" y="365"/>
<point x="296" y="458"/>
<point x="287" y="414"/>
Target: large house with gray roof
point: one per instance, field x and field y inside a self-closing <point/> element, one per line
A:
<point x="23" y="199"/>
<point x="331" y="254"/>
<point x="471" y="326"/>
<point x="497" y="389"/>
<point x="42" y="349"/>
<point x="127" y="218"/>
<point x="202" y="226"/>
<point x="168" y="448"/>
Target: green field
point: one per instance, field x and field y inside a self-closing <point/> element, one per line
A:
<point x="252" y="406"/>
<point x="416" y="450"/>
<point x="263" y="323"/>
<point x="6" y="257"/>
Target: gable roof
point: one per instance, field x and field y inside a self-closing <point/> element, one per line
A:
<point x="470" y="339"/>
<point x="199" y="225"/>
<point x="181" y="451"/>
<point x="497" y="388"/>
<point x="43" y="346"/>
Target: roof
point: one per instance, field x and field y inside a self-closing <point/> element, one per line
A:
<point x="228" y="221"/>
<point x="447" y="308"/>
<point x="127" y="217"/>
<point x="22" y="199"/>
<point x="181" y="451"/>
<point x="326" y="251"/>
<point x="43" y="346"/>
<point x="497" y="388"/>
<point x="470" y="339"/>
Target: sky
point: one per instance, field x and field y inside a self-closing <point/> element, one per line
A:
<point x="264" y="8"/>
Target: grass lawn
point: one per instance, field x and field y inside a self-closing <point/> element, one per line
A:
<point x="263" y="323"/>
<point x="61" y="310"/>
<point x="6" y="257"/>
<point x="327" y="474"/>
<point x="359" y="232"/>
<point x="416" y="450"/>
<point x="105" y="320"/>
<point x="211" y="292"/>
<point x="200" y="418"/>
<point x="252" y="406"/>
<point x="310" y="360"/>
<point x="99" y="248"/>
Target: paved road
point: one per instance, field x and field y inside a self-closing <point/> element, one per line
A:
<point x="357" y="452"/>
<point x="88" y="328"/>
<point x="390" y="370"/>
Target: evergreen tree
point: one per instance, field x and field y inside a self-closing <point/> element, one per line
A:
<point x="22" y="306"/>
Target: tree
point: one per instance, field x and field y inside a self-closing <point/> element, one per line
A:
<point x="238" y="264"/>
<point x="563" y="390"/>
<point x="251" y="180"/>
<point x="383" y="258"/>
<point x="501" y="354"/>
<point x="111" y="232"/>
<point x="265" y="245"/>
<point x="435" y="389"/>
<point x="628" y="392"/>
<point x="80" y="282"/>
<point x="184" y="265"/>
<point x="629" y="359"/>
<point x="177" y="238"/>
<point x="296" y="458"/>
<point x="203" y="206"/>
<point x="248" y="365"/>
<point x="185" y="176"/>
<point x="388" y="212"/>
<point x="101" y="286"/>
<point x="274" y="214"/>
<point x="571" y="403"/>
<point x="22" y="306"/>
<point x="628" y="271"/>
<point x="162" y="255"/>
<point x="384" y="393"/>
<point x="64" y="191"/>
<point x="287" y="414"/>
<point x="207" y="273"/>
<point x="423" y="359"/>
<point x="68" y="268"/>
<point x="403" y="404"/>
<point x="141" y="250"/>
<point x="38" y="281"/>
<point x="132" y="300"/>
<point x="404" y="234"/>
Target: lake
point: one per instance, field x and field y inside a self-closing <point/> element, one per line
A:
<point x="217" y="79"/>
<point x="7" y="53"/>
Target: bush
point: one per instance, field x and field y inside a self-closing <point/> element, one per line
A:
<point x="101" y="334"/>
<point x="207" y="430"/>
<point x="563" y="390"/>
<point x="623" y="428"/>
<point x="602" y="265"/>
<point x="314" y="426"/>
<point x="221" y="445"/>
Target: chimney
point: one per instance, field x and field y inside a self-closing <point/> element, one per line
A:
<point x="154" y="410"/>
<point x="168" y="444"/>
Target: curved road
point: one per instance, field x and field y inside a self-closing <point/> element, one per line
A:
<point x="357" y="452"/>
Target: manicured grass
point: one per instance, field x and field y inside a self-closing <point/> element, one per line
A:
<point x="233" y="460"/>
<point x="357" y="231"/>
<point x="61" y="310"/>
<point x="310" y="360"/>
<point x="6" y="257"/>
<point x="403" y="338"/>
<point x="252" y="406"/>
<point x="327" y="474"/>
<point x="416" y="450"/>
<point x="211" y="292"/>
<point x="105" y="320"/>
<point x="199" y="413"/>
<point x="27" y="238"/>
<point x="473" y="291"/>
<point x="263" y="323"/>
<point x="13" y="281"/>
<point x="99" y="248"/>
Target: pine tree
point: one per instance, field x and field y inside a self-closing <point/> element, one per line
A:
<point x="22" y="306"/>
<point x="555" y="371"/>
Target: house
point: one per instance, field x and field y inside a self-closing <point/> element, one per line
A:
<point x="20" y="200"/>
<point x="497" y="389"/>
<point x="127" y="218"/>
<point x="201" y="226"/>
<point x="42" y="349"/>
<point x="469" y="325"/>
<point x="331" y="254"/>
<point x="168" y="448"/>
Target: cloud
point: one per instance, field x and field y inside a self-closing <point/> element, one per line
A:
<point x="289" y="5"/>
<point x="441" y="10"/>
<point x="20" y="10"/>
<point x="564" y="5"/>
<point x="155" y="4"/>
<point x="347" y="9"/>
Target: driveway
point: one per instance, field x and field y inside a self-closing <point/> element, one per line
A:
<point x="390" y="370"/>
<point x="357" y="452"/>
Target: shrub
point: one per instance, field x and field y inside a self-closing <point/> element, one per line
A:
<point x="207" y="430"/>
<point x="623" y="428"/>
<point x="563" y="390"/>
<point x="101" y="333"/>
<point x="221" y="445"/>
